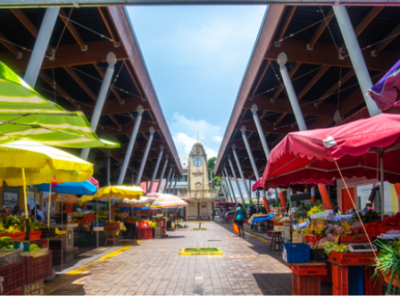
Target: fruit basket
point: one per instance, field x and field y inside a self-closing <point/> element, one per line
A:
<point x="14" y="275"/>
<point x="39" y="267"/>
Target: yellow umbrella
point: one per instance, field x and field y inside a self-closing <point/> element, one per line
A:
<point x="116" y="191"/>
<point x="23" y="163"/>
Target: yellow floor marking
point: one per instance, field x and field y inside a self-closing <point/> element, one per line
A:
<point x="85" y="268"/>
<point x="218" y="252"/>
<point x="197" y="229"/>
<point x="199" y="222"/>
<point x="252" y="235"/>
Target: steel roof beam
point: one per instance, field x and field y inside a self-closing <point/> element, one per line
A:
<point x="72" y="29"/>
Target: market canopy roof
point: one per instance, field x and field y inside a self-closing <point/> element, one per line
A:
<point x="76" y="188"/>
<point x="72" y="78"/>
<point x="311" y="155"/>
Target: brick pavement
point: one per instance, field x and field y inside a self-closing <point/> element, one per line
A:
<point x="154" y="267"/>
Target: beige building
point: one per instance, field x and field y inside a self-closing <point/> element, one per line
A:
<point x="202" y="199"/>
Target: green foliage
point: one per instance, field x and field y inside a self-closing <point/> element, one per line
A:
<point x="211" y="163"/>
<point x="217" y="180"/>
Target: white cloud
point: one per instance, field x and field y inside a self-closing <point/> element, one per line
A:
<point x="184" y="133"/>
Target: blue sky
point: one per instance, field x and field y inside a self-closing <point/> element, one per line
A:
<point x="196" y="57"/>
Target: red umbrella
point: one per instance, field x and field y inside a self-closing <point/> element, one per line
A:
<point x="357" y="148"/>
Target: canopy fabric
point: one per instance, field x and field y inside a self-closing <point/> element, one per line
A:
<point x="258" y="185"/>
<point x="262" y="218"/>
<point x="64" y="198"/>
<point x="42" y="164"/>
<point x="143" y="202"/>
<point x="26" y="115"/>
<point x="309" y="156"/>
<point x="385" y="91"/>
<point x="117" y="191"/>
<point x="77" y="188"/>
<point x="166" y="201"/>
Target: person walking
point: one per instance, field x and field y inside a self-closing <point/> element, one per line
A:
<point x="239" y="219"/>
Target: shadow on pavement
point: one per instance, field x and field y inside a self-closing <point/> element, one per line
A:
<point x="274" y="283"/>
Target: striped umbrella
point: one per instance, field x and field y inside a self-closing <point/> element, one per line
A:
<point x="26" y="115"/>
<point x="165" y="201"/>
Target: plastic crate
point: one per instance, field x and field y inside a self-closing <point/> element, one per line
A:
<point x="164" y="230"/>
<point x="39" y="267"/>
<point x="356" y="281"/>
<point x="318" y="255"/>
<point x="351" y="259"/>
<point x="112" y="226"/>
<point x="13" y="293"/>
<point x="33" y="289"/>
<point x="130" y="222"/>
<point x="296" y="253"/>
<point x="353" y="239"/>
<point x="313" y="238"/>
<point x="305" y="285"/>
<point x="14" y="275"/>
<point x="340" y="279"/>
<point x="19" y="236"/>
<point x="145" y="233"/>
<point x="98" y="224"/>
<point x="35" y="235"/>
<point x="338" y="292"/>
<point x="373" y="287"/>
<point x="328" y="277"/>
<point x="311" y="270"/>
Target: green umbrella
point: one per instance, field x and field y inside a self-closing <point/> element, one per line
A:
<point x="26" y="115"/>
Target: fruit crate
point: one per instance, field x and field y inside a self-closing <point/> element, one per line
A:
<point x="295" y="252"/>
<point x="373" y="287"/>
<point x="164" y="231"/>
<point x="351" y="259"/>
<point x="340" y="279"/>
<point x="111" y="226"/>
<point x="313" y="238"/>
<point x="19" y="236"/>
<point x="13" y="293"/>
<point x="14" y="275"/>
<point x="308" y="270"/>
<point x="356" y="281"/>
<point x="39" y="267"/>
<point x="33" y="289"/>
<point x="8" y="256"/>
<point x="35" y="235"/>
<point x="305" y="285"/>
<point x="353" y="239"/>
<point x="145" y="233"/>
<point x="318" y="255"/>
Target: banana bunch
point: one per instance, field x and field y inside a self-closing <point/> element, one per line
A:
<point x="310" y="229"/>
<point x="316" y="230"/>
<point x="59" y="232"/>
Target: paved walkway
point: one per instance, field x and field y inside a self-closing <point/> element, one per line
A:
<point x="154" y="267"/>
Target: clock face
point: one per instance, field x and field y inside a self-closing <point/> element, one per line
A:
<point x="197" y="161"/>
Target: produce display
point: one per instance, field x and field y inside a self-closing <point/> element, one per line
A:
<point x="11" y="224"/>
<point x="317" y="230"/>
<point x="315" y="210"/>
<point x="88" y="219"/>
<point x="6" y="243"/>
<point x="34" y="248"/>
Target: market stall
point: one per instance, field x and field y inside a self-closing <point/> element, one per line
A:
<point x="366" y="148"/>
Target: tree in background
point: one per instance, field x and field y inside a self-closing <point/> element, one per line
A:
<point x="217" y="180"/>
<point x="211" y="164"/>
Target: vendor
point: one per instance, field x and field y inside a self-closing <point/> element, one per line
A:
<point x="336" y="208"/>
<point x="252" y="210"/>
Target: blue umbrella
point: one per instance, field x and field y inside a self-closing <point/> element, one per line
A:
<point x="77" y="188"/>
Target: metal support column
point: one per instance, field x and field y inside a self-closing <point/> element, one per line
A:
<point x="157" y="166"/>
<point x="225" y="194"/>
<point x="282" y="59"/>
<point x="173" y="190"/>
<point x="237" y="182"/>
<point x="162" y="173"/>
<point x="264" y="144"/>
<point x="128" y="153"/>
<point x="230" y="198"/>
<point x="144" y="159"/>
<point x="241" y="173"/>
<point x="109" y="167"/>
<point x="356" y="56"/>
<point x="170" y="183"/>
<point x="167" y="179"/>
<point x="230" y="185"/>
<point x="41" y="44"/>
<point x="111" y="60"/>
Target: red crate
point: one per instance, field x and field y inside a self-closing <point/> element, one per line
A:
<point x="313" y="238"/>
<point x="145" y="233"/>
<point x="328" y="277"/>
<point x="338" y="292"/>
<point x="35" y="235"/>
<point x="13" y="293"/>
<point x="353" y="239"/>
<point x="39" y="267"/>
<point x="312" y="270"/>
<point x="111" y="226"/>
<point x="14" y="275"/>
<point x="373" y="287"/>
<point x="130" y="221"/>
<point x="305" y="285"/>
<point x="164" y="231"/>
<point x="19" y="236"/>
<point x="351" y="259"/>
<point x="340" y="279"/>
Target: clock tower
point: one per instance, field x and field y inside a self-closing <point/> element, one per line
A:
<point x="197" y="169"/>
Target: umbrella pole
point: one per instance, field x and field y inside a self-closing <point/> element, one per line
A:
<point x="109" y="209"/>
<point x="382" y="190"/>
<point x="26" y="205"/>
<point x="48" y="207"/>
<point x="34" y="201"/>
<point x="97" y="221"/>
